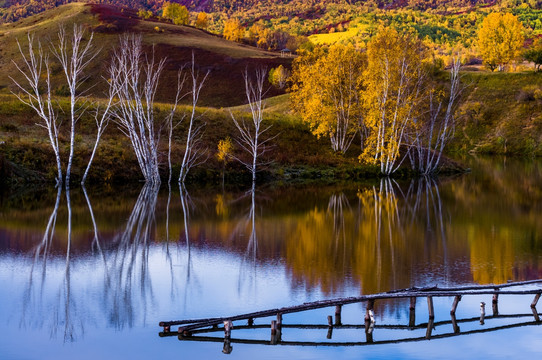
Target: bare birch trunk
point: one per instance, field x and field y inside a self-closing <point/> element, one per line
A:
<point x="135" y="82"/>
<point x="193" y="153"/>
<point x="430" y="139"/>
<point x="35" y="67"/>
<point x="101" y="123"/>
<point x="249" y="138"/>
<point x="74" y="57"/>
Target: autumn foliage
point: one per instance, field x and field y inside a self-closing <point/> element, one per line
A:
<point x="326" y="91"/>
<point x="500" y="39"/>
<point x="383" y="94"/>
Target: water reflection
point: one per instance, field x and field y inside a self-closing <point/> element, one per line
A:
<point x="129" y="262"/>
<point x="389" y="231"/>
<point x="116" y="261"/>
<point x="63" y="317"/>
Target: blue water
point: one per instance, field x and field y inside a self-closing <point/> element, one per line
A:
<point x="76" y="296"/>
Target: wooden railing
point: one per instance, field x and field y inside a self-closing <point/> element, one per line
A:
<point x="188" y="329"/>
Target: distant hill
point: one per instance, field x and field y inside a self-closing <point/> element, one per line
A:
<point x="225" y="59"/>
<point x="12" y="10"/>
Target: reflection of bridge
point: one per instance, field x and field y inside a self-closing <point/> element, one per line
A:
<point x="189" y="330"/>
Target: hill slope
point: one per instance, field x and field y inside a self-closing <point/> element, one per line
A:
<point x="226" y="60"/>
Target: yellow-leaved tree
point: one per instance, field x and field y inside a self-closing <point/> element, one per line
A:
<point x="326" y="91"/>
<point x="233" y="30"/>
<point x="175" y="12"/>
<point x="202" y="20"/>
<point x="500" y="39"/>
<point x="394" y="80"/>
<point x="279" y="76"/>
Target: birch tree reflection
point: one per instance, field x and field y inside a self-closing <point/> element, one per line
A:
<point x="247" y="225"/>
<point x="63" y="318"/>
<point x="129" y="264"/>
<point x="394" y="229"/>
<point x="34" y="290"/>
<point x="186" y="205"/>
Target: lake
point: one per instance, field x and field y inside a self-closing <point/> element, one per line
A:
<point x="90" y="274"/>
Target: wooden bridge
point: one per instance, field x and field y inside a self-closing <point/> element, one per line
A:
<point x="188" y="330"/>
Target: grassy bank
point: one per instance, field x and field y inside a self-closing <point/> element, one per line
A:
<point x="501" y="114"/>
<point x="294" y="154"/>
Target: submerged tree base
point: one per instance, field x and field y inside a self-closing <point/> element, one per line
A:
<point x="14" y="174"/>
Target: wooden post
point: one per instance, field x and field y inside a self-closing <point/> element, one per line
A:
<point x="535" y="300"/>
<point x="454" y="324"/>
<point x="412" y="315"/>
<point x="430" y="307"/>
<point x="228" y="325"/>
<point x="279" y="321"/>
<point x="457" y="299"/>
<point x="167" y="329"/>
<point x="273" y="332"/>
<point x="330" y="326"/>
<point x="535" y="314"/>
<point x="227" y="349"/>
<point x="482" y="312"/>
<point x="372" y="318"/>
<point x="370" y="306"/>
<point x="369" y="337"/>
<point x="412" y="303"/>
<point x="369" y="327"/>
<point x="429" y="330"/>
<point x="495" y="303"/>
<point x="338" y="310"/>
<point x="250" y="321"/>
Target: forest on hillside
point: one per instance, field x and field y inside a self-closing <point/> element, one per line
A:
<point x="12" y="10"/>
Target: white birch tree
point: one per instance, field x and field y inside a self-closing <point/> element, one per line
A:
<point x="431" y="135"/>
<point x="181" y="78"/>
<point x="250" y="133"/>
<point x="102" y="120"/>
<point x="74" y="55"/>
<point x="35" y="67"/>
<point x="194" y="153"/>
<point x="395" y="86"/>
<point x="134" y="78"/>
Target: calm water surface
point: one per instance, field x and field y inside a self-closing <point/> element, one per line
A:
<point x="90" y="274"/>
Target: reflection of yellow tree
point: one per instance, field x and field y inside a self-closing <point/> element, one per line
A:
<point x="222" y="209"/>
<point x="493" y="258"/>
<point x="367" y="245"/>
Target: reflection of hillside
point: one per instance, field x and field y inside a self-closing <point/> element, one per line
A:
<point x="503" y="203"/>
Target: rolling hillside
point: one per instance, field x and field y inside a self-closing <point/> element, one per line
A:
<point x="226" y="60"/>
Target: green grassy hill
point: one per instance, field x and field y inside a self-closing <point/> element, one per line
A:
<point x="501" y="114"/>
<point x="225" y="59"/>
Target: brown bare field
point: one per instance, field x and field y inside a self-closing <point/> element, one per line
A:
<point x="225" y="60"/>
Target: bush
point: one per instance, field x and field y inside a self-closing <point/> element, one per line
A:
<point x="529" y="93"/>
